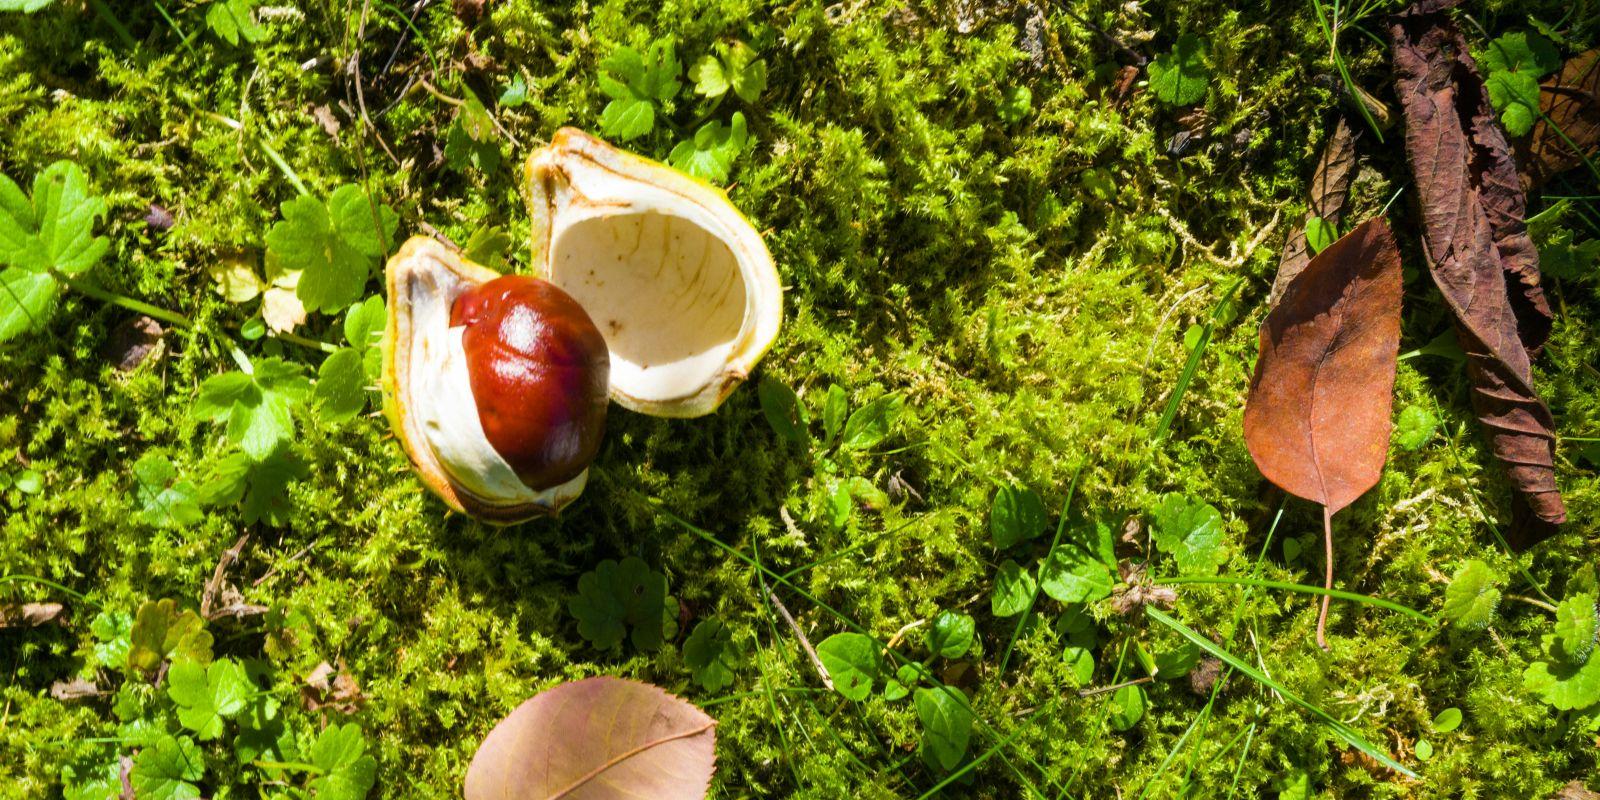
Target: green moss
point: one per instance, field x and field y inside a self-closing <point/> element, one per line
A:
<point x="1025" y="286"/>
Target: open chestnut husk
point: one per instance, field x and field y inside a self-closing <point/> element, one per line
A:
<point x="649" y="287"/>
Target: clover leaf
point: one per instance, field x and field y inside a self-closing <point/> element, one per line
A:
<point x="160" y="631"/>
<point x="734" y="66"/>
<point x="235" y="21"/>
<point x="853" y="663"/>
<point x="710" y="154"/>
<point x="205" y="695"/>
<point x="167" y="769"/>
<point x="1515" y="62"/>
<point x="112" y="631"/>
<point x="946" y="717"/>
<point x="711" y="654"/>
<point x="1190" y="530"/>
<point x="617" y="597"/>
<point x="1471" y="597"/>
<point x="334" y="245"/>
<point x="1016" y="516"/>
<point x="638" y="84"/>
<point x="42" y="237"/>
<point x="1179" y="77"/>
<point x="346" y="772"/>
<point x="255" y="406"/>
<point x="164" y="500"/>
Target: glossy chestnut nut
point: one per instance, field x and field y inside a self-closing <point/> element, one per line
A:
<point x="539" y="371"/>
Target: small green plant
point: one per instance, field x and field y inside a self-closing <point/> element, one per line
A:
<point x="46" y="240"/>
<point x="1179" y="77"/>
<point x="472" y="140"/>
<point x="191" y="722"/>
<point x="343" y="380"/>
<point x="846" y="437"/>
<point x="234" y="21"/>
<point x="711" y="654"/>
<point x="644" y="86"/>
<point x="624" y="599"/>
<point x="1190" y="530"/>
<point x="1514" y="63"/>
<point x="1566" y="675"/>
<point x="333" y="246"/>
<point x="1414" y="428"/>
<point x="1472" y="596"/>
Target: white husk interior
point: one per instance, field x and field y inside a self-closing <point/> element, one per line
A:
<point x="442" y="402"/>
<point x="655" y="272"/>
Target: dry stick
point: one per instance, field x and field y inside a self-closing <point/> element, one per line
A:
<point x="215" y="584"/>
<point x="1113" y="687"/>
<point x="274" y="570"/>
<point x="801" y="635"/>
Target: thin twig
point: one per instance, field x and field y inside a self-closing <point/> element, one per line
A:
<point x="274" y="570"/>
<point x="215" y="584"/>
<point x="804" y="642"/>
<point x="1113" y="687"/>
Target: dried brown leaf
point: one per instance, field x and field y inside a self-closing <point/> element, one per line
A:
<point x="1317" y="419"/>
<point x="1477" y="247"/>
<point x="30" y="615"/>
<point x="1570" y="99"/>
<point x="1329" y="190"/>
<point x="597" y="738"/>
<point x="74" y="689"/>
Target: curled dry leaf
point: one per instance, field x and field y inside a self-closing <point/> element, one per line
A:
<point x="1570" y="99"/>
<point x="30" y="615"/>
<point x="1330" y="189"/>
<point x="1477" y="247"/>
<point x="597" y="738"/>
<point x="1317" y="420"/>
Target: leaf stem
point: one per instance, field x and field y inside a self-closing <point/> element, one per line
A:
<point x="170" y="317"/>
<point x="1327" y="576"/>
<point x="305" y="341"/>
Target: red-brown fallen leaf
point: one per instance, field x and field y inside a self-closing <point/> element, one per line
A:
<point x="1477" y="247"/>
<point x="1317" y="419"/>
<point x="1571" y="99"/>
<point x="597" y="738"/>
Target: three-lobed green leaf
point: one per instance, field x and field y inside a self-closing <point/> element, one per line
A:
<point x="1191" y="531"/>
<point x="235" y="21"/>
<point x="165" y="501"/>
<point x="167" y="769"/>
<point x="617" y="597"/>
<point x="255" y="407"/>
<point x="333" y="245"/>
<point x="49" y="233"/>
<point x="638" y="84"/>
<point x="1180" y="76"/>
<point x="711" y="655"/>
<point x="710" y="153"/>
<point x="1515" y="62"/>
<point x="205" y="695"/>
<point x="346" y="772"/>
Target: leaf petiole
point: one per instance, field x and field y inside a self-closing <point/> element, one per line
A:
<point x="154" y="312"/>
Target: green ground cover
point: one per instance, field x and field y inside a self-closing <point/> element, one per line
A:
<point x="972" y="221"/>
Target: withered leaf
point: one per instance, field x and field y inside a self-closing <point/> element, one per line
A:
<point x="597" y="738"/>
<point x="1477" y="247"/>
<point x="1330" y="189"/>
<point x="1317" y="419"/>
<point x="30" y="615"/>
<point x="1570" y="99"/>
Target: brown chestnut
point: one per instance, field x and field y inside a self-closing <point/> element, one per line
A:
<point x="540" y="373"/>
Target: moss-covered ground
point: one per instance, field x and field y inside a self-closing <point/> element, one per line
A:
<point x="1023" y="278"/>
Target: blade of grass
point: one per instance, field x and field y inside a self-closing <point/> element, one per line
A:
<point x="1239" y="768"/>
<point x="1027" y="613"/>
<point x="1343" y="731"/>
<point x="1303" y="589"/>
<point x="1192" y="366"/>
